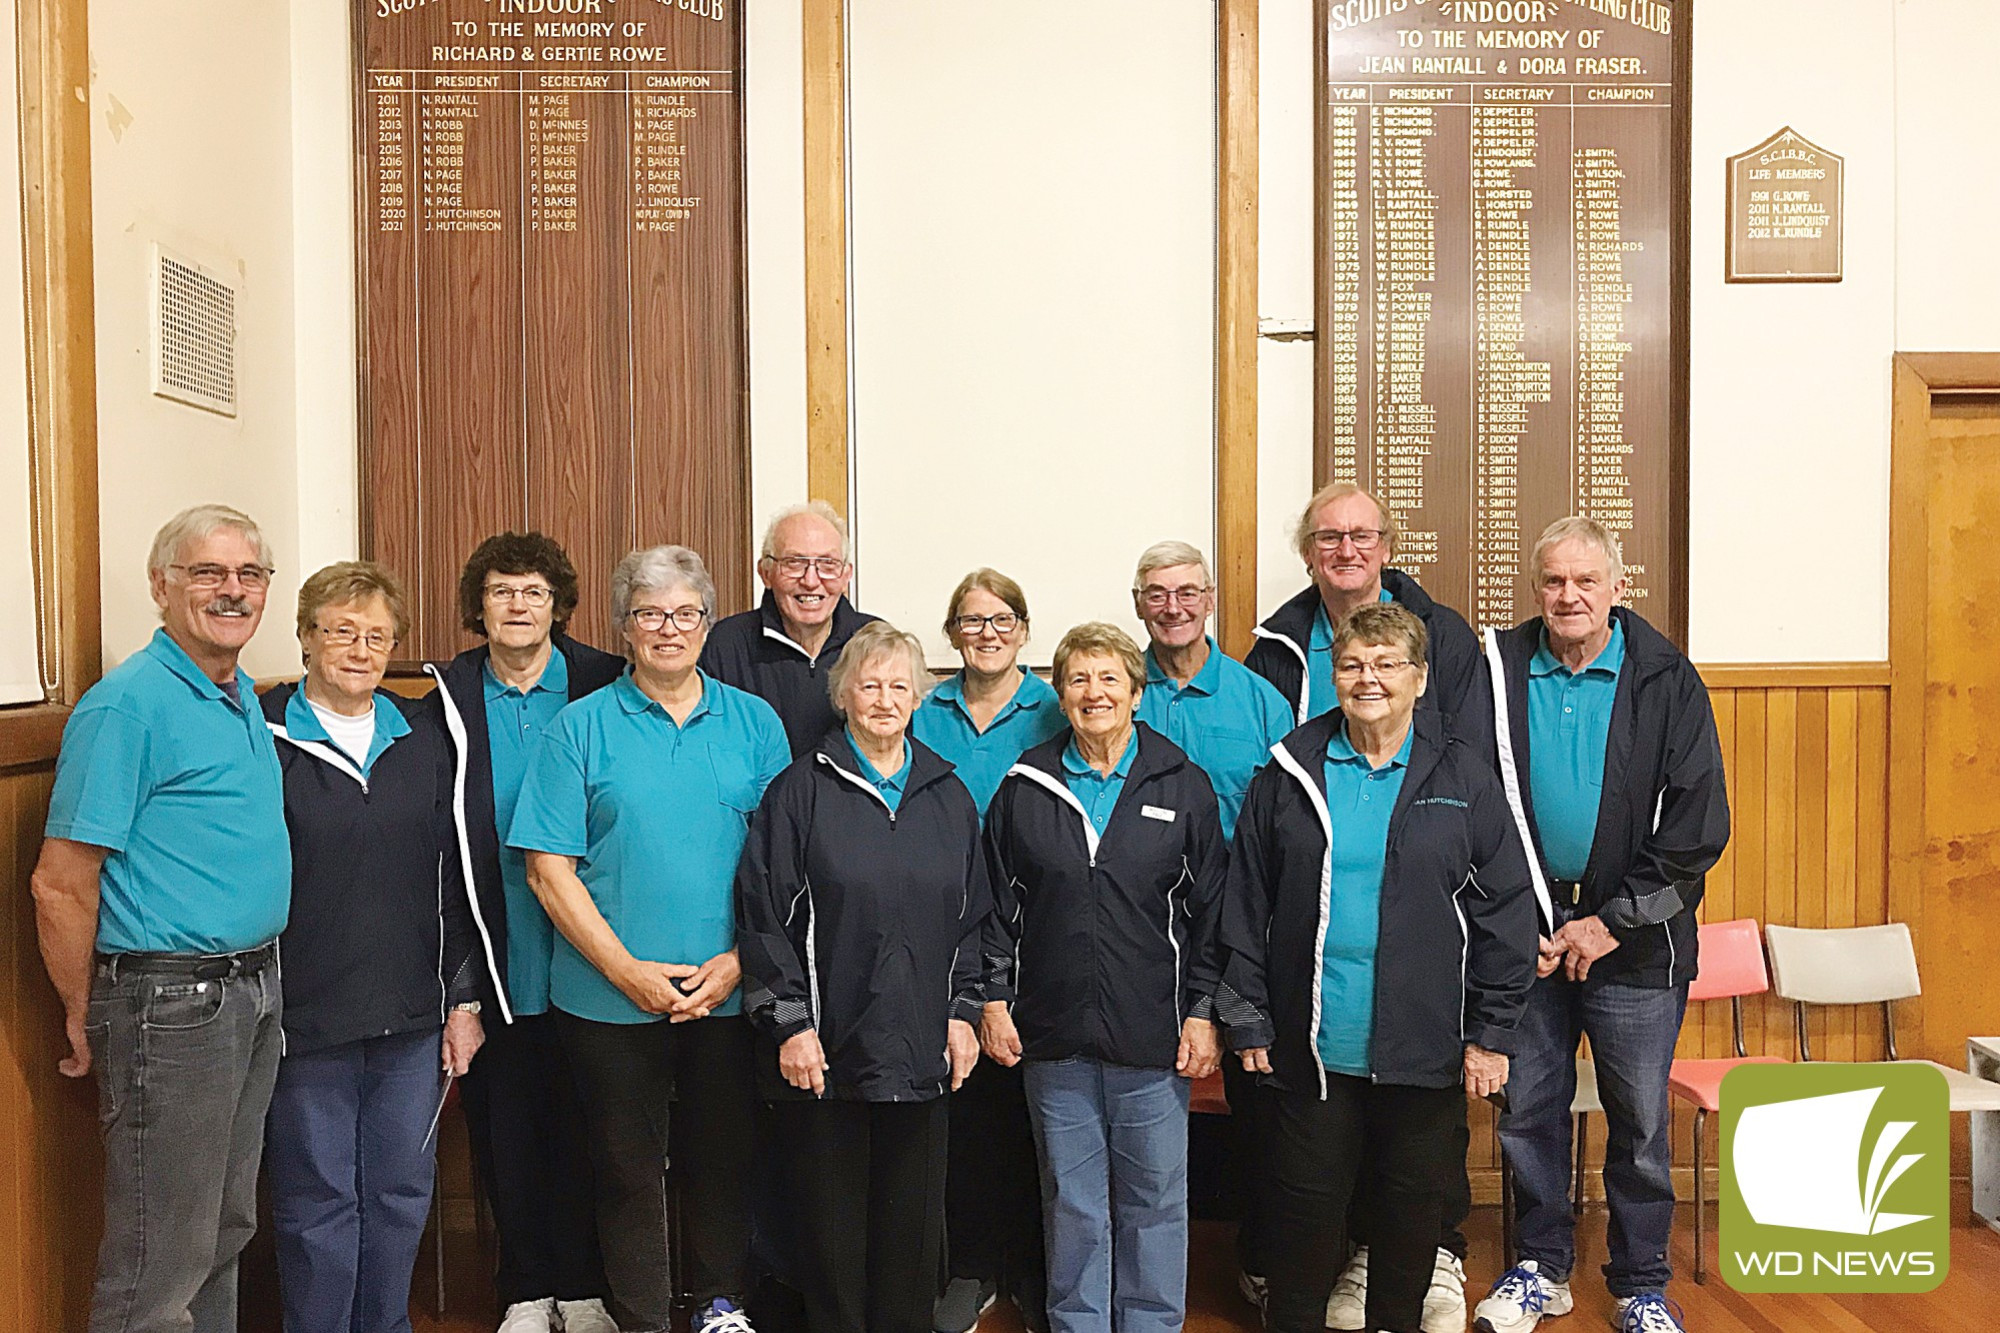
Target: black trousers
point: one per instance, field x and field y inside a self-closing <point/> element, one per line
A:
<point x="867" y="1184"/>
<point x="992" y="1200"/>
<point x="1249" y="1162"/>
<point x="1317" y="1148"/>
<point x="651" y="1088"/>
<point x="533" y="1163"/>
<point x="1457" y="1199"/>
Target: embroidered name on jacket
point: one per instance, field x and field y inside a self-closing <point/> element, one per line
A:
<point x="1441" y="800"/>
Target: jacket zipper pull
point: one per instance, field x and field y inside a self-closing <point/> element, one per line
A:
<point x="1576" y="893"/>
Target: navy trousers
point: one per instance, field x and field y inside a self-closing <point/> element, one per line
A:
<point x="351" y="1172"/>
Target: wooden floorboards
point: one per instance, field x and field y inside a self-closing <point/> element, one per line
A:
<point x="1968" y="1301"/>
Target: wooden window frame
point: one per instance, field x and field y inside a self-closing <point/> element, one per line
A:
<point x="52" y="46"/>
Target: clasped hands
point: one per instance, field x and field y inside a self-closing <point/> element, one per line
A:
<point x="679" y="990"/>
<point x="1574" y="947"/>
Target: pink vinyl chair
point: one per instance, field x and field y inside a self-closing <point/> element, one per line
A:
<point x="1731" y="966"/>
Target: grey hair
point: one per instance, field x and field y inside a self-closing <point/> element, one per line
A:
<point x="1165" y="555"/>
<point x="871" y="643"/>
<point x="658" y="567"/>
<point x="819" y="509"/>
<point x="1576" y="528"/>
<point x="1339" y="490"/>
<point x="193" y="524"/>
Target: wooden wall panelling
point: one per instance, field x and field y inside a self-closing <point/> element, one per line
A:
<point x="1236" y="327"/>
<point x="1808" y="774"/>
<point x="50" y="1166"/>
<point x="825" y="39"/>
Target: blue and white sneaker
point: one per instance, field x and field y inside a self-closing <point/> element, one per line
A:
<point x="1647" y="1313"/>
<point x="721" y="1315"/>
<point x="1519" y="1299"/>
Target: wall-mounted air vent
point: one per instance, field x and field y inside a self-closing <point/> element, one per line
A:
<point x="194" y="333"/>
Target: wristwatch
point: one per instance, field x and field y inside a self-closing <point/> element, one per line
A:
<point x="469" y="1007"/>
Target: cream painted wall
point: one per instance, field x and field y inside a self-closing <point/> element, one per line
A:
<point x="192" y="146"/>
<point x="1947" y="175"/>
<point x="20" y="648"/>
<point x="1789" y="384"/>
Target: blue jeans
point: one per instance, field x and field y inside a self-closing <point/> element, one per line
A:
<point x="184" y="1070"/>
<point x="1632" y="1030"/>
<point x="351" y="1170"/>
<point x="1114" y="1159"/>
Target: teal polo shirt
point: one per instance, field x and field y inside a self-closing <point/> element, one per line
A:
<point x="1320" y="694"/>
<point x="982" y="758"/>
<point x="655" y="813"/>
<point x="1097" y="791"/>
<point x="1569" y="725"/>
<point x="515" y="724"/>
<point x="181" y="784"/>
<point x="1227" y="719"/>
<point x="890" y="788"/>
<point x="1359" y="801"/>
<point x="303" y="724"/>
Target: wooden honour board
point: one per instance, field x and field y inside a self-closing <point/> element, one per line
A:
<point x="551" y="276"/>
<point x="1502" y="283"/>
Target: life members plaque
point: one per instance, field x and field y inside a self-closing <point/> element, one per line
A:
<point x="1786" y="199"/>
<point x="552" y="288"/>
<point x="1501" y="202"/>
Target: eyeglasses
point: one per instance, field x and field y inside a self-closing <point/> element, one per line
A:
<point x="1006" y="622"/>
<point x="1364" y="539"/>
<point x="346" y="636"/>
<point x="1387" y="669"/>
<point x="208" y="577"/>
<point x="795" y="566"/>
<point x="653" y="619"/>
<point x="534" y="595"/>
<point x="1155" y="599"/>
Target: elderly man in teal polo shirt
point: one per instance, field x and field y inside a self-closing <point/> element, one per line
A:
<point x="1223" y="714"/>
<point x="162" y="886"/>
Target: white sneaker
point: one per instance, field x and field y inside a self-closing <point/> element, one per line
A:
<point x="585" y="1317"/>
<point x="1651" y="1313"/>
<point x="530" y="1317"/>
<point x="1444" y="1303"/>
<point x="1347" y="1308"/>
<point x="1254" y="1289"/>
<point x="1519" y="1299"/>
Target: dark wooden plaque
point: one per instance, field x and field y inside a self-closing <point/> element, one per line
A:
<point x="552" y="288"/>
<point x="1502" y="283"/>
<point x="1786" y="200"/>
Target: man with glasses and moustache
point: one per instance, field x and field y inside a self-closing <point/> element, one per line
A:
<point x="1347" y="536"/>
<point x="783" y="650"/>
<point x="517" y="592"/>
<point x="162" y="886"/>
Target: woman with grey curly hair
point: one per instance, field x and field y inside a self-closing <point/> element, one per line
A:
<point x="632" y="818"/>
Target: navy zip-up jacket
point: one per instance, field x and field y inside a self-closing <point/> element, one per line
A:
<point x="380" y="939"/>
<point x="862" y="922"/>
<point x="751" y="651"/>
<point x="1456" y="953"/>
<point x="1458" y="689"/>
<point x="462" y="695"/>
<point x="1104" y="946"/>
<point x="1663" y="818"/>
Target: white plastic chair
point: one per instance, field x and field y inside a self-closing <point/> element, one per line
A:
<point x="1861" y="965"/>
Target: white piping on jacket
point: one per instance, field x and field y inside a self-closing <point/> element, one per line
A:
<point x="1510" y="778"/>
<point x="1291" y="765"/>
<point x="1064" y="794"/>
<point x="1305" y="667"/>
<point x="455" y="725"/>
